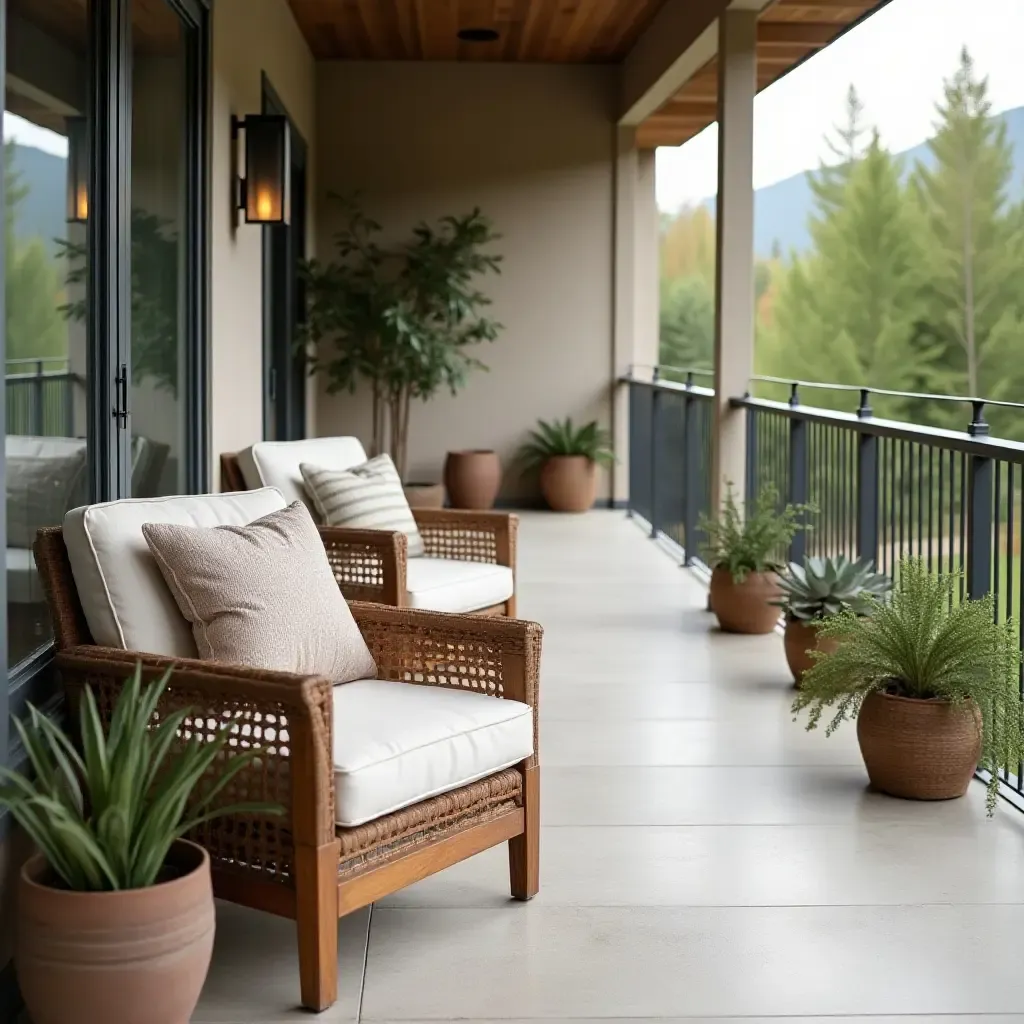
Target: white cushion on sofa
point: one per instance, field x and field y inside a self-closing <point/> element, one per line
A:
<point x="449" y="585"/>
<point x="276" y="463"/>
<point x="398" y="743"/>
<point x="125" y="599"/>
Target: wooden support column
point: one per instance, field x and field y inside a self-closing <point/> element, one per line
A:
<point x="734" y="255"/>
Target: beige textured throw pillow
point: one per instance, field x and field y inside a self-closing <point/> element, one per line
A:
<point x="262" y="595"/>
<point x="368" y="496"/>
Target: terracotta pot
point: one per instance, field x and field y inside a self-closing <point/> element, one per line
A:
<point x="801" y="638"/>
<point x="569" y="483"/>
<point x="472" y="478"/>
<point x="424" y="495"/>
<point x="138" y="956"/>
<point x="919" y="749"/>
<point x="743" y="607"/>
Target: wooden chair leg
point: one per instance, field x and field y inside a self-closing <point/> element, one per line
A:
<point x="510" y="607"/>
<point x="316" y="918"/>
<point x="524" y="850"/>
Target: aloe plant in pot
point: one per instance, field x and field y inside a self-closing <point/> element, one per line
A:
<point x="743" y="554"/>
<point x="817" y="590"/>
<point x="115" y="913"/>
<point x="567" y="458"/>
<point x="933" y="683"/>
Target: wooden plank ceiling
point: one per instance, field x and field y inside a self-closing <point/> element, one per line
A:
<point x="788" y="32"/>
<point x="557" y="31"/>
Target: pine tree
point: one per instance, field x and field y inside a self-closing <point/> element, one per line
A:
<point x="687" y="323"/>
<point x="829" y="184"/>
<point x="846" y="313"/>
<point x="34" y="326"/>
<point x="970" y="241"/>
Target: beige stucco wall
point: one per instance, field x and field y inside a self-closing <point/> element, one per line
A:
<point x="249" y="37"/>
<point x="533" y="147"/>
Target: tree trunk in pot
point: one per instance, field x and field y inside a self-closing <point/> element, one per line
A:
<point x="138" y="956"/>
<point x="569" y="483"/>
<point x="743" y="607"/>
<point x="472" y="478"/>
<point x="919" y="749"/>
<point x="802" y="638"/>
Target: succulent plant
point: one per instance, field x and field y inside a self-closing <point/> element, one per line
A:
<point x="823" y="587"/>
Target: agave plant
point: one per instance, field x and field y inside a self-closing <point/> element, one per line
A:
<point x="105" y="818"/>
<point x="823" y="587"/>
<point x="562" y="437"/>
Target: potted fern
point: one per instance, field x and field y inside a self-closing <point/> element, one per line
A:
<point x="743" y="553"/>
<point x="817" y="590"/>
<point x="567" y="458"/>
<point x="115" y="913"/>
<point x="933" y="683"/>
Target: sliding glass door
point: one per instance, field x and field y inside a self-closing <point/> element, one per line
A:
<point x="105" y="276"/>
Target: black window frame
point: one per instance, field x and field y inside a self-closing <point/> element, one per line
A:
<point x="285" y="375"/>
<point x="108" y="285"/>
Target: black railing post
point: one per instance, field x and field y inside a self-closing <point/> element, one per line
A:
<point x="691" y="473"/>
<point x="797" y="473"/>
<point x="655" y="396"/>
<point x="980" y="470"/>
<point x="867" y="485"/>
<point x="37" y="400"/>
<point x="751" y="466"/>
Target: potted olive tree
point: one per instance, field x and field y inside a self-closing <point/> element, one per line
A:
<point x="933" y="683"/>
<point x="115" y="913"/>
<point x="744" y="553"/>
<point x="566" y="458"/>
<point x="403" y="319"/>
<point x="817" y="590"/>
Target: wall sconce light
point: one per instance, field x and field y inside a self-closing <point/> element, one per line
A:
<point x="78" y="170"/>
<point x="264" y="190"/>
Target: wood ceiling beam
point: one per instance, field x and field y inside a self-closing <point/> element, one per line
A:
<point x="795" y="33"/>
<point x="830" y="7"/>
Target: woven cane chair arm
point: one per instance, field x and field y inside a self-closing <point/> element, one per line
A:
<point x="284" y="716"/>
<point x="468" y="535"/>
<point x="369" y="565"/>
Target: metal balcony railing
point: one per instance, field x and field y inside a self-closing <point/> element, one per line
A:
<point x="882" y="488"/>
<point x="40" y="397"/>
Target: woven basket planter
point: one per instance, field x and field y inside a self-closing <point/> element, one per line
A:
<point x="743" y="607"/>
<point x="802" y="638"/>
<point x="919" y="749"/>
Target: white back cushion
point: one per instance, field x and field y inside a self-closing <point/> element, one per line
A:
<point x="125" y="599"/>
<point x="276" y="463"/>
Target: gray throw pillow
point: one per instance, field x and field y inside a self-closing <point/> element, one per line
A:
<point x="262" y="595"/>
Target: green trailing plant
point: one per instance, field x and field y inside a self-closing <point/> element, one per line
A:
<point x="105" y="818"/>
<point x="823" y="587"/>
<point x="562" y="437"/>
<point x="925" y="645"/>
<point x="403" y="318"/>
<point x="751" y="543"/>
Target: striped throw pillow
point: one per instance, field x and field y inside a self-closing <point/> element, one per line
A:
<point x="368" y="496"/>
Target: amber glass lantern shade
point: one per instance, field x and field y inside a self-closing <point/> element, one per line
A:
<point x="78" y="170"/>
<point x="265" y="195"/>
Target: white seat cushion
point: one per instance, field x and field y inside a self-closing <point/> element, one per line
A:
<point x="398" y="743"/>
<point x="125" y="599"/>
<point x="23" y="583"/>
<point x="448" y="585"/>
<point x="276" y="463"/>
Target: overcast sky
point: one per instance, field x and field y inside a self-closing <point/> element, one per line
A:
<point x="896" y="59"/>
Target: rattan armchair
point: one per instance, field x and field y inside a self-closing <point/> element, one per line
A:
<point x="371" y="565"/>
<point x="302" y="865"/>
